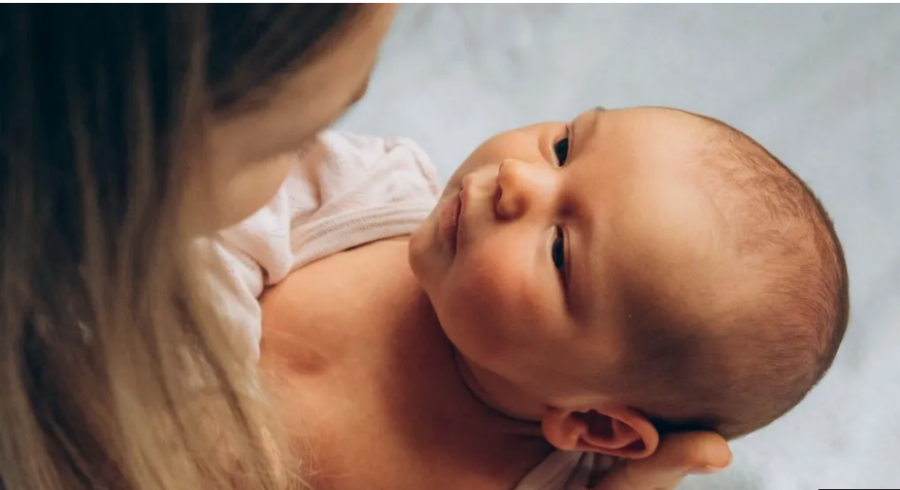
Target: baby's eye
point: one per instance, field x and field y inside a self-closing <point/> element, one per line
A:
<point x="561" y="149"/>
<point x="558" y="252"/>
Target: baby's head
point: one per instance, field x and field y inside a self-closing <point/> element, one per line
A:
<point x="634" y="272"/>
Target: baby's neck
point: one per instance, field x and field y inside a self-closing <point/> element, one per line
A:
<point x="477" y="386"/>
<point x="499" y="394"/>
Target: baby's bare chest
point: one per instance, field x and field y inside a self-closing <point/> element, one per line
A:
<point x="368" y="385"/>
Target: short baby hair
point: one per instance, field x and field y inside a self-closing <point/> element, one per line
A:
<point x="758" y="360"/>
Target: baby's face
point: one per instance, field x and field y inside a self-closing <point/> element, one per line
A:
<point x="548" y="237"/>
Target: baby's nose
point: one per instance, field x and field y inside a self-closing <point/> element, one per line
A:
<point x="522" y="186"/>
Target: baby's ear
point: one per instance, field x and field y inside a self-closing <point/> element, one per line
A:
<point x="616" y="431"/>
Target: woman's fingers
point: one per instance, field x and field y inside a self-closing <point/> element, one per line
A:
<point x="678" y="456"/>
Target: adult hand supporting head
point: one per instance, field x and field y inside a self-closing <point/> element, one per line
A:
<point x="678" y="455"/>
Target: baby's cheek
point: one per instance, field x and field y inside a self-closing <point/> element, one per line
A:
<point x="474" y="304"/>
<point x="507" y="325"/>
<point x="502" y="289"/>
<point x="493" y="274"/>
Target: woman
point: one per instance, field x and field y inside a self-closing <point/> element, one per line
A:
<point x="127" y="133"/>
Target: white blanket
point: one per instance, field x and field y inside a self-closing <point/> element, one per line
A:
<point x="819" y="85"/>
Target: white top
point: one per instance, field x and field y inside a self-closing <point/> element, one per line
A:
<point x="362" y="190"/>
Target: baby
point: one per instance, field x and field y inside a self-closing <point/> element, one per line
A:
<point x="579" y="289"/>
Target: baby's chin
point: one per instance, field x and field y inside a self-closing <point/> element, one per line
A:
<point x="418" y="245"/>
<point x="424" y="258"/>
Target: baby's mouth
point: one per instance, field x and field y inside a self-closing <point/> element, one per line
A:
<point x="449" y="221"/>
<point x="457" y="220"/>
<point x="460" y="213"/>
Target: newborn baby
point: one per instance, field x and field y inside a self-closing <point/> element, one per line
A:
<point x="579" y="289"/>
<point x="632" y="272"/>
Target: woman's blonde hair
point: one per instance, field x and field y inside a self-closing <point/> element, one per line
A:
<point x="105" y="313"/>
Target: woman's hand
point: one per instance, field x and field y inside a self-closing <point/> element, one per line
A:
<point x="678" y="456"/>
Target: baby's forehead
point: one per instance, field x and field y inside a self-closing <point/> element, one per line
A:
<point x="648" y="174"/>
<point x="660" y="126"/>
<point x="653" y="139"/>
<point x="669" y="149"/>
<point x="654" y="115"/>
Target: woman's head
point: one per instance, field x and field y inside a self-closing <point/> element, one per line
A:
<point x="125" y="132"/>
<point x="252" y="138"/>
